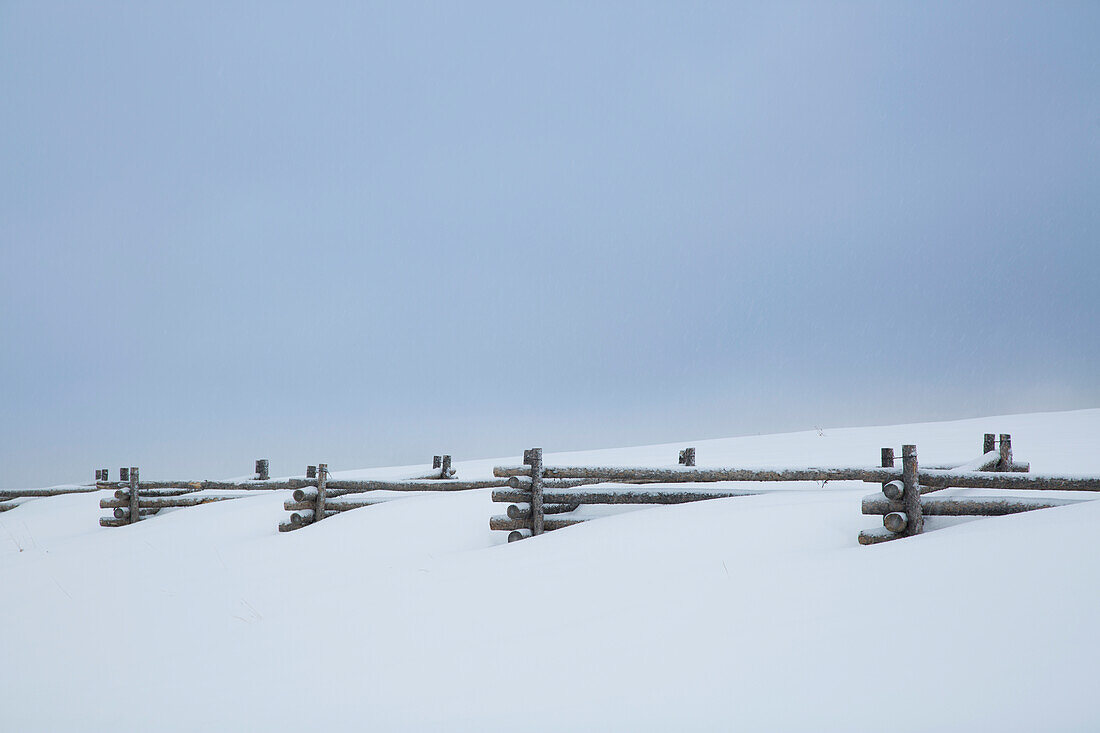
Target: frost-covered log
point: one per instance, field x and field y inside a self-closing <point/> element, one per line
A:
<point x="250" y="485"/>
<point x="124" y="513"/>
<point x="988" y="480"/>
<point x="874" y="536"/>
<point x="504" y="523"/>
<point x="688" y="474"/>
<point x="322" y="492"/>
<point x="339" y="504"/>
<point x="962" y="506"/>
<point x="134" y="500"/>
<point x="538" y="520"/>
<point x="524" y="482"/>
<point x="896" y="489"/>
<point x="162" y="502"/>
<point x="910" y="495"/>
<point x="111" y="522"/>
<point x="895" y="522"/>
<point x="612" y="496"/>
<point x="125" y="493"/>
<point x="523" y="511"/>
<point x="518" y="534"/>
<point x="338" y="487"/>
<point x="1006" y="452"/>
<point x="9" y="504"/>
<point x="297" y="520"/>
<point x="52" y="491"/>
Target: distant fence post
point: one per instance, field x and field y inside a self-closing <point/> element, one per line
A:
<point x="437" y="461"/>
<point x="445" y="467"/>
<point x="989" y="443"/>
<point x="123" y="474"/>
<point x="533" y="458"/>
<point x="319" y="503"/>
<point x="1006" y="453"/>
<point x="262" y="465"/>
<point x="135" y="511"/>
<point x="311" y="471"/>
<point x="687" y="457"/>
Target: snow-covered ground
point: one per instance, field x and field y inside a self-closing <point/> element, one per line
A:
<point x="753" y="613"/>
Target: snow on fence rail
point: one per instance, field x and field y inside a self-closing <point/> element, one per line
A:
<point x="903" y="502"/>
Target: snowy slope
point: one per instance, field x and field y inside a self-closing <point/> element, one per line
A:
<point x="757" y="613"/>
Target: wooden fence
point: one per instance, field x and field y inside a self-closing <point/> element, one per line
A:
<point x="135" y="500"/>
<point x="544" y="498"/>
<point x="321" y="497"/>
<point x="903" y="502"/>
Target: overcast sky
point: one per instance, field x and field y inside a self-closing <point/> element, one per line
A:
<point x="369" y="233"/>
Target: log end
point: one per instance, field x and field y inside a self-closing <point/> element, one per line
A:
<point x="875" y="536"/>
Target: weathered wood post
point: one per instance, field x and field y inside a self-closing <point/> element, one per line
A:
<point x="262" y="465"/>
<point x="891" y="489"/>
<point x="445" y="466"/>
<point x="1006" y="453"/>
<point x="319" y="502"/>
<point x="437" y="461"/>
<point x="687" y="457"/>
<point x="533" y="458"/>
<point x="99" y="475"/>
<point x="311" y="471"/>
<point x="106" y="474"/>
<point x="910" y="498"/>
<point x="124" y="474"/>
<point x="135" y="511"/>
<point x="988" y="443"/>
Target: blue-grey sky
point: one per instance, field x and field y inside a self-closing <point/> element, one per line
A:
<point x="366" y="233"/>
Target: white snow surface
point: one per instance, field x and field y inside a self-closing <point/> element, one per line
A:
<point x="750" y="613"/>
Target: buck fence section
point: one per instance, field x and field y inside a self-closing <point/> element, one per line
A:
<point x="904" y="500"/>
<point x="321" y="497"/>
<point x="135" y="500"/>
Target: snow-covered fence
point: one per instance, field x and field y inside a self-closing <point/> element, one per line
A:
<point x="903" y="502"/>
<point x="540" y="497"/>
<point x="135" y="499"/>
<point x="319" y="497"/>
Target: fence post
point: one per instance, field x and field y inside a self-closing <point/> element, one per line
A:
<point x="1006" y="453"/>
<point x="988" y="443"/>
<point x="262" y="465"/>
<point x="914" y="517"/>
<point x="687" y="457"/>
<point x="533" y="458"/>
<point x="135" y="512"/>
<point x="319" y="503"/>
<point x="311" y="471"/>
<point x="124" y="474"/>
<point x="437" y="461"/>
<point x="445" y="466"/>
